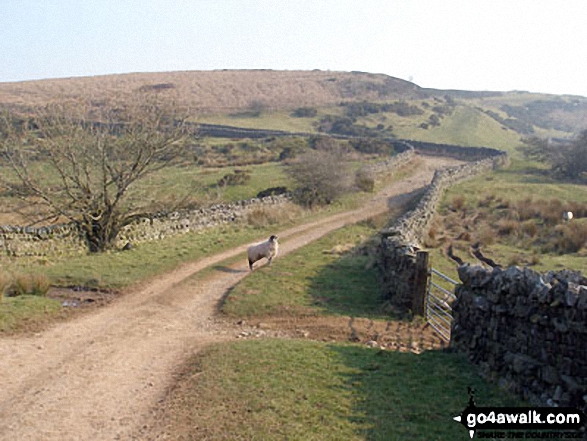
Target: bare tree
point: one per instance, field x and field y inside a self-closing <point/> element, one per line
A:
<point x="322" y="177"/>
<point x="80" y="163"/>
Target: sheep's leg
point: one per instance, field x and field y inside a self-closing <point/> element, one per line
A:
<point x="269" y="259"/>
<point x="251" y="264"/>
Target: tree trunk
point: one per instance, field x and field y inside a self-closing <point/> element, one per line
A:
<point x="100" y="233"/>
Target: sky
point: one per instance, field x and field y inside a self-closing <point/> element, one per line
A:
<point x="533" y="45"/>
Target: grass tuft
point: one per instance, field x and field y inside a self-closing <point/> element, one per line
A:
<point x="29" y="284"/>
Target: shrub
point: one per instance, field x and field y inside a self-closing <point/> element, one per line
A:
<point x="321" y="178"/>
<point x="570" y="237"/>
<point x="552" y="211"/>
<point x="239" y="177"/>
<point x="534" y="259"/>
<point x="304" y="112"/>
<point x="365" y="180"/>
<point x="486" y="201"/>
<point x="527" y="209"/>
<point x="457" y="203"/>
<point x="529" y="227"/>
<point x="506" y="227"/>
<point x="486" y="235"/>
<point x="372" y="146"/>
<point x="579" y="209"/>
<point x="273" y="191"/>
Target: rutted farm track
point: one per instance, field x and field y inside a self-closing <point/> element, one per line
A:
<point x="101" y="375"/>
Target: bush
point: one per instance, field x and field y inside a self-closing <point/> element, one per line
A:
<point x="527" y="209"/>
<point x="486" y="236"/>
<point x="372" y="146"/>
<point x="457" y="203"/>
<point x="239" y="177"/>
<point x="273" y="191"/>
<point x="506" y="227"/>
<point x="304" y="112"/>
<point x="530" y="228"/>
<point x="570" y="237"/>
<point x="365" y="180"/>
<point x="486" y="201"/>
<point x="321" y="177"/>
<point x="343" y="125"/>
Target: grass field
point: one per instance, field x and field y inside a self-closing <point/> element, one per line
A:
<point x="522" y="187"/>
<point x="301" y="390"/>
<point x="466" y="127"/>
<point x="321" y="277"/>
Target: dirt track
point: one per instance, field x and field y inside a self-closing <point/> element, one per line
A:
<point x="99" y="376"/>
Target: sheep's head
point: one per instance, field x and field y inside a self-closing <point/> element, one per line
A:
<point x="273" y="239"/>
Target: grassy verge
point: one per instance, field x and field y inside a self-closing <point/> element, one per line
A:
<point x="26" y="312"/>
<point x="325" y="277"/>
<point x="301" y="390"/>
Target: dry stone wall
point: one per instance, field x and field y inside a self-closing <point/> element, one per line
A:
<point x="395" y="162"/>
<point x="527" y="329"/>
<point x="399" y="243"/>
<point x="66" y="239"/>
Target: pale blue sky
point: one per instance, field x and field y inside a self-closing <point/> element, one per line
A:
<point x="534" y="45"/>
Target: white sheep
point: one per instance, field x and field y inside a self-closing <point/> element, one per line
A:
<point x="567" y="216"/>
<point x="267" y="249"/>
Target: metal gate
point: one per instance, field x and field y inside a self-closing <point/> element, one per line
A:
<point x="439" y="298"/>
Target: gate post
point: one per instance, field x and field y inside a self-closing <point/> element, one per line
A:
<point x="420" y="283"/>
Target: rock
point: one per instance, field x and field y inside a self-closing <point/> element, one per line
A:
<point x="523" y="363"/>
<point x="582" y="298"/>
<point x="549" y="374"/>
<point x="481" y="303"/>
<point x="572" y="294"/>
<point x="560" y="324"/>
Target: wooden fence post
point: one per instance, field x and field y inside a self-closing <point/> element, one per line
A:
<point x="420" y="283"/>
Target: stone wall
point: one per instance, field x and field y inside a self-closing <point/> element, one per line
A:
<point x="527" y="329"/>
<point x="55" y="240"/>
<point x="399" y="243"/>
<point x="452" y="151"/>
<point x="395" y="162"/>
<point x="16" y="241"/>
<point x="66" y="239"/>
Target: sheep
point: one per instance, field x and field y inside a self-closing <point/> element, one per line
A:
<point x="267" y="249"/>
<point x="567" y="216"/>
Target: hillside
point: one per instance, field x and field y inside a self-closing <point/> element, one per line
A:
<point x="265" y="99"/>
<point x="218" y="91"/>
